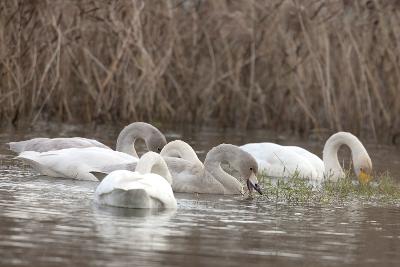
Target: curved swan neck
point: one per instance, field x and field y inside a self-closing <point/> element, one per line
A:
<point x="212" y="164"/>
<point x="181" y="149"/>
<point x="128" y="136"/>
<point x="332" y="145"/>
<point x="152" y="162"/>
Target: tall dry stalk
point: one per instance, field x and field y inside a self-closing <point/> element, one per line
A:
<point x="285" y="64"/>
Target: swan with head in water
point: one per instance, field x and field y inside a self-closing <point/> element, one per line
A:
<point x="153" y="138"/>
<point x="284" y="161"/>
<point x="77" y="163"/>
<point x="190" y="175"/>
<point x="148" y="187"/>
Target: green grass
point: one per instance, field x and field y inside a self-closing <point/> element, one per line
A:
<point x="298" y="190"/>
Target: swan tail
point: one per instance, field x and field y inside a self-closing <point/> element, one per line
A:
<point x="28" y="155"/>
<point x="30" y="158"/>
<point x="17" y="147"/>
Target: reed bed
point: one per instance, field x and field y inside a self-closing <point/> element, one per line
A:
<point x="298" y="190"/>
<point x="286" y="65"/>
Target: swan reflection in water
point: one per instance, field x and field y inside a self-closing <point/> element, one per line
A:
<point x="137" y="230"/>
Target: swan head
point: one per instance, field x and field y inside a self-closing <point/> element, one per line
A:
<point x="240" y="160"/>
<point x="155" y="141"/>
<point x="363" y="168"/>
<point x="248" y="168"/>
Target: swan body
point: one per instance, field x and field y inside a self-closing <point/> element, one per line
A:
<point x="76" y="163"/>
<point x="148" y="187"/>
<point x="285" y="161"/>
<point x="190" y="175"/>
<point x="193" y="178"/>
<point x="153" y="138"/>
<point x="48" y="144"/>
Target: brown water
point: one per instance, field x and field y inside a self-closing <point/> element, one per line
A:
<point x="53" y="222"/>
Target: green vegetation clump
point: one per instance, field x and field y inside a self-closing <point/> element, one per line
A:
<point x="298" y="190"/>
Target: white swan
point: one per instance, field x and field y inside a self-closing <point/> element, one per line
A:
<point x="362" y="163"/>
<point x="153" y="138"/>
<point x="191" y="176"/>
<point x="76" y="163"/>
<point x="284" y="161"/>
<point x="148" y="187"/>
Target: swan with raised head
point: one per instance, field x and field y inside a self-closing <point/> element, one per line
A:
<point x="190" y="175"/>
<point x="153" y="138"/>
<point x="285" y="161"/>
<point x="148" y="187"/>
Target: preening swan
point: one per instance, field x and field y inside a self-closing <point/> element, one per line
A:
<point x="284" y="161"/>
<point x="191" y="176"/>
<point x="76" y="163"/>
<point x="153" y="138"/>
<point x="148" y="187"/>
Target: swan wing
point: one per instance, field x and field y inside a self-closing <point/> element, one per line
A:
<point x="74" y="163"/>
<point x="188" y="177"/>
<point x="175" y="165"/>
<point x="279" y="161"/>
<point x="102" y="171"/>
<point x="148" y="186"/>
<point x="131" y="166"/>
<point x="49" y="144"/>
<point x="178" y="167"/>
<point x="312" y="158"/>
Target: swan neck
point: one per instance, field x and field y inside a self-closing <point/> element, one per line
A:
<point x="127" y="145"/>
<point x="151" y="162"/>
<point x="128" y="136"/>
<point x="212" y="164"/>
<point x="330" y="157"/>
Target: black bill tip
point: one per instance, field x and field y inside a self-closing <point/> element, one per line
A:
<point x="252" y="186"/>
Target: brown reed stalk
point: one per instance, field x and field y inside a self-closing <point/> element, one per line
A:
<point x="286" y="65"/>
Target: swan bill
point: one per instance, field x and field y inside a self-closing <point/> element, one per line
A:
<point x="252" y="183"/>
<point x="364" y="177"/>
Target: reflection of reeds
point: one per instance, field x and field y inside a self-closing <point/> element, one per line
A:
<point x="274" y="64"/>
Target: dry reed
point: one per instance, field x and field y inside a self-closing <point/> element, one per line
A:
<point x="285" y="65"/>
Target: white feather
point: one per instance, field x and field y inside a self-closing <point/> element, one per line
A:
<point x="128" y="189"/>
<point x="48" y="144"/>
<point x="76" y="163"/>
<point x="284" y="161"/>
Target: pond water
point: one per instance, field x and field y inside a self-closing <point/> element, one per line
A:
<point x="54" y="222"/>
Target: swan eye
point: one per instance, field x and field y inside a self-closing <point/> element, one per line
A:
<point x="251" y="169"/>
<point x="159" y="149"/>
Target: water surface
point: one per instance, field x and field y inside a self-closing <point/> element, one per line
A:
<point x="54" y="222"/>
